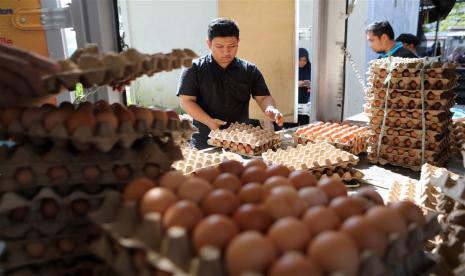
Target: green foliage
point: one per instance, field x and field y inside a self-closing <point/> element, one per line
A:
<point x="456" y="18"/>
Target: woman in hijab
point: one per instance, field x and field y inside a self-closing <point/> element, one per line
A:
<point x="304" y="82"/>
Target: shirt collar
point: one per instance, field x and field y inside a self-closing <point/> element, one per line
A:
<point x="394" y="49"/>
<point x="234" y="63"/>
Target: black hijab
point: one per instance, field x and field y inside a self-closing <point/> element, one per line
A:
<point x="305" y="72"/>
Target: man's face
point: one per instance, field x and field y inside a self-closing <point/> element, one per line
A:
<point x="376" y="42"/>
<point x="224" y="49"/>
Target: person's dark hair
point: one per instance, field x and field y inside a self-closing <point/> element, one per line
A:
<point x="379" y="28"/>
<point x="409" y="39"/>
<point x="222" y="27"/>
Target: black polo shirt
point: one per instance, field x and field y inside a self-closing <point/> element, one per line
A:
<point x="222" y="93"/>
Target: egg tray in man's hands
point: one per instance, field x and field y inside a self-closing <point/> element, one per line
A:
<point x="89" y="67"/>
<point x="91" y="125"/>
<point x="32" y="250"/>
<point x="27" y="167"/>
<point x="244" y="139"/>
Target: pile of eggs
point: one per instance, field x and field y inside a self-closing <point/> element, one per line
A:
<point x="273" y="220"/>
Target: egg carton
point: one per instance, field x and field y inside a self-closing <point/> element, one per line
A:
<point x="89" y="67"/>
<point x="27" y="167"/>
<point x="412" y="153"/>
<point x="19" y="215"/>
<point x="450" y="184"/>
<point x="16" y="255"/>
<point x="409" y="143"/>
<point x="345" y="137"/>
<point x="410" y="63"/>
<point x="244" y="139"/>
<point x="344" y="174"/>
<point x="103" y="137"/>
<point x="409" y="103"/>
<point x="194" y="160"/>
<point x="434" y="124"/>
<point x="407" y="162"/>
<point x="414" y="72"/>
<point x="407" y="190"/>
<point x="430" y="95"/>
<point x="311" y="156"/>
<point x="430" y="135"/>
<point x="430" y="115"/>
<point x="414" y="83"/>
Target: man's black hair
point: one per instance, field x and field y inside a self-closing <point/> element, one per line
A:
<point x="222" y="27"/>
<point x="379" y="28"/>
<point x="409" y="39"/>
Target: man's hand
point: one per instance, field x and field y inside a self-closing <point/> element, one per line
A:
<point x="215" y="124"/>
<point x="275" y="115"/>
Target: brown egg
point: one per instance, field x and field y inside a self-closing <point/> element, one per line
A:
<point x="284" y="202"/>
<point x="335" y="251"/>
<point x="123" y="114"/>
<point x="249" y="251"/>
<point x="276" y="181"/>
<point x="289" y="234"/>
<point x="156" y="200"/>
<point x="365" y="235"/>
<point x="142" y="114"/>
<point x="313" y="196"/>
<point x="370" y="194"/>
<point x="184" y="214"/>
<point x="256" y="163"/>
<point x="387" y="219"/>
<point x="66" y="245"/>
<point x="228" y="181"/>
<point x="81" y="119"/>
<point x="151" y="171"/>
<point x="295" y="264"/>
<point x="92" y="173"/>
<point x="346" y="207"/>
<point x="220" y="201"/>
<point x="333" y="188"/>
<point x="56" y="117"/>
<point x="66" y="106"/>
<point x="252" y="217"/>
<point x="58" y="173"/>
<point x="276" y="170"/>
<point x="194" y="189"/>
<point x="302" y="179"/>
<point x="251" y="193"/>
<point x="24" y="176"/>
<point x="102" y="105"/>
<point x="137" y="188"/>
<point x="18" y="214"/>
<point x="160" y="116"/>
<point x="253" y="174"/>
<point x="105" y="117"/>
<point x="35" y="249"/>
<point x="11" y="114"/>
<point x="320" y="219"/>
<point x="49" y="208"/>
<point x="172" y="180"/>
<point x="32" y="116"/>
<point x="208" y="173"/>
<point x="410" y="212"/>
<point x="122" y="172"/>
<point x="86" y="106"/>
<point x="172" y="114"/>
<point x="231" y="166"/>
<point x="80" y="207"/>
<point x="214" y="230"/>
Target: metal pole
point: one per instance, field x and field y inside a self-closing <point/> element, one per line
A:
<point x="436" y="39"/>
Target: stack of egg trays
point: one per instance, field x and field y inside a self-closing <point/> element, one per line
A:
<point x="404" y="112"/>
<point x="355" y="145"/>
<point x="140" y="246"/>
<point x="90" y="67"/>
<point x="329" y="161"/>
<point x="457" y="137"/>
<point x="450" y="244"/>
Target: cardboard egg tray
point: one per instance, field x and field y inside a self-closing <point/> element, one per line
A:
<point x="244" y="139"/>
<point x="409" y="143"/>
<point x="412" y="153"/>
<point x="407" y="190"/>
<point x="441" y="126"/>
<point x="104" y="138"/>
<point x="450" y="184"/>
<point x="311" y="156"/>
<point x="194" y="160"/>
<point x="406" y="102"/>
<point x="15" y="254"/>
<point x="83" y="167"/>
<point x="89" y="67"/>
<point x="414" y="83"/>
<point x="415" y="114"/>
<point x="430" y="95"/>
<point x="457" y="137"/>
<point x="413" y="72"/>
<point x="345" y="174"/>
<point x="349" y="138"/>
<point x="409" y="63"/>
<point x="430" y="135"/>
<point x="413" y="163"/>
<point x="170" y="251"/>
<point x="19" y="215"/>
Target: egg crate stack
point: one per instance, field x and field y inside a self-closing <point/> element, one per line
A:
<point x="91" y="125"/>
<point x="90" y="67"/>
<point x="144" y="235"/>
<point x="322" y="159"/>
<point x="399" y="82"/>
<point x="457" y="137"/>
<point x="244" y="139"/>
<point x="194" y="160"/>
<point x="343" y="136"/>
<point x="450" y="243"/>
<point x="406" y="190"/>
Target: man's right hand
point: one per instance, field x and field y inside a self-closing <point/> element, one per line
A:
<point x="215" y="124"/>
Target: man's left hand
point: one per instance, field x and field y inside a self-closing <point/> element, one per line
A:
<point x="275" y="115"/>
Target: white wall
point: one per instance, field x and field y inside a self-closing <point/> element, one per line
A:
<point x="159" y="26"/>
<point x="305" y="21"/>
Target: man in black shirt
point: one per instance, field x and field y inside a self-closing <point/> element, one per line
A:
<point x="216" y="90"/>
<point x="381" y="37"/>
<point x="409" y="41"/>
